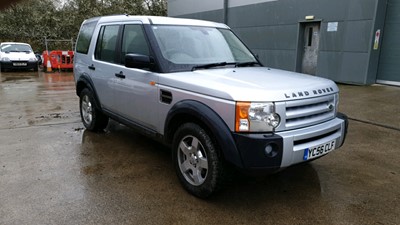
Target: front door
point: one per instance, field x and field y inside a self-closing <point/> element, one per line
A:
<point x="135" y="90"/>
<point x="311" y="44"/>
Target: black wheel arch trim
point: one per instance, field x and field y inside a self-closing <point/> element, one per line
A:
<point x="87" y="81"/>
<point x="346" y="125"/>
<point x="214" y="123"/>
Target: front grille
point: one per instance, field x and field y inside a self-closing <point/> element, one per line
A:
<point x="303" y="113"/>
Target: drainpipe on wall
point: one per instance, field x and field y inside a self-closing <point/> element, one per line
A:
<point x="226" y="11"/>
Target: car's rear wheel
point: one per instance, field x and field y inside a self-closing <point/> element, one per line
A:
<point x="93" y="119"/>
<point x="197" y="163"/>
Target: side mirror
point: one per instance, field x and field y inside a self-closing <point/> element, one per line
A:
<point x="138" y="61"/>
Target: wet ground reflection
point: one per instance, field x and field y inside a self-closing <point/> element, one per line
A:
<point x="20" y="91"/>
<point x="52" y="171"/>
<point x="45" y="77"/>
<point x="121" y="159"/>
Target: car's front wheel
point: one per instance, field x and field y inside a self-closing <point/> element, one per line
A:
<point x="93" y="119"/>
<point x="197" y="162"/>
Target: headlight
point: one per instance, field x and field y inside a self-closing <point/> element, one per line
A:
<point x="33" y="59"/>
<point x="256" y="117"/>
<point x="5" y="59"/>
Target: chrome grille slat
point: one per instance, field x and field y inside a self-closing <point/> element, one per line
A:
<point x="309" y="101"/>
<point x="302" y="113"/>
<point x="307" y="120"/>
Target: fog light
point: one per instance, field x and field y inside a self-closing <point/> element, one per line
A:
<point x="270" y="150"/>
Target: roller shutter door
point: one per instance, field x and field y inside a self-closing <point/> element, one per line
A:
<point x="389" y="61"/>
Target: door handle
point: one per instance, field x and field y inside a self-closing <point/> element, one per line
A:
<point x="92" y="67"/>
<point x="120" y="75"/>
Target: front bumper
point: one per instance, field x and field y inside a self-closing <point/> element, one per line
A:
<point x="287" y="148"/>
<point x="18" y="65"/>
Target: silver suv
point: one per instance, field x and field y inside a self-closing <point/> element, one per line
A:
<point x="194" y="86"/>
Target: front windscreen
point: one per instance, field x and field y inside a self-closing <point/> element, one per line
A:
<point x="15" y="48"/>
<point x="187" y="46"/>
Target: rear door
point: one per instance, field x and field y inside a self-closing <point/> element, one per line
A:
<point x="104" y="64"/>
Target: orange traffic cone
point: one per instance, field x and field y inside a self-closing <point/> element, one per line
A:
<point x="48" y="64"/>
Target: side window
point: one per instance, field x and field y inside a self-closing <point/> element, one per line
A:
<point x="84" y="37"/>
<point x="134" y="41"/>
<point x="106" y="43"/>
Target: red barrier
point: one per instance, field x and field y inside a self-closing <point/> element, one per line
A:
<point x="61" y="60"/>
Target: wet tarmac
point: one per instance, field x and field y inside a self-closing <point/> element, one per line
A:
<point x="52" y="171"/>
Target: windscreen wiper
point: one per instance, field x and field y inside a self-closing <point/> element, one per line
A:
<point x="244" y="64"/>
<point x="206" y="66"/>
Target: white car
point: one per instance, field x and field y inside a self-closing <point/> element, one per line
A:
<point x="15" y="55"/>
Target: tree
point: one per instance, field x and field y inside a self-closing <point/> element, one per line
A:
<point x="31" y="20"/>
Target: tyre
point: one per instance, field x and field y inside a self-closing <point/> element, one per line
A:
<point x="92" y="117"/>
<point x="197" y="163"/>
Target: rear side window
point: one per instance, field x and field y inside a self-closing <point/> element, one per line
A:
<point x="84" y="38"/>
<point x="106" y="43"/>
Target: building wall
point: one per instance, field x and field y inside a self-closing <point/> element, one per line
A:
<point x="205" y="9"/>
<point x="271" y="29"/>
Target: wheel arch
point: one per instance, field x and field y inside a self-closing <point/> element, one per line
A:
<point x="83" y="82"/>
<point x="199" y="113"/>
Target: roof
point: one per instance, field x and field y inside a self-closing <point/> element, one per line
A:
<point x="157" y="20"/>
<point x="13" y="43"/>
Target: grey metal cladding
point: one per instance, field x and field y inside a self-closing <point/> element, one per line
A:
<point x="182" y="7"/>
<point x="253" y="14"/>
<point x="214" y="15"/>
<point x="357" y="35"/>
<point x="269" y="37"/>
<point x="332" y="41"/>
<point x="351" y="36"/>
<point x="361" y="9"/>
<point x="329" y="64"/>
<point x="353" y="64"/>
<point x="280" y="59"/>
<point x="288" y="12"/>
<point x="342" y="66"/>
<point x="292" y="11"/>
